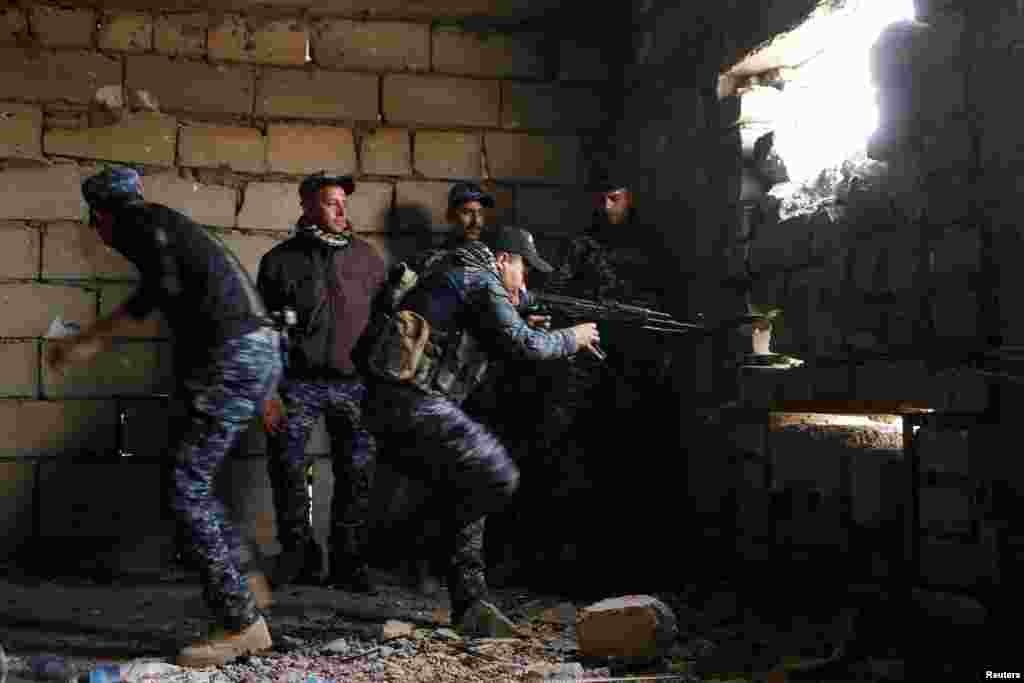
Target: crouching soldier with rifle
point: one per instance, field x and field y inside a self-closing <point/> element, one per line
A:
<point x="424" y="359"/>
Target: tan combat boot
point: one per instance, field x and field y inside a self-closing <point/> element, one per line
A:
<point x="223" y="646"/>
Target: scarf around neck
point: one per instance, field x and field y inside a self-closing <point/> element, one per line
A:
<point x="331" y="239"/>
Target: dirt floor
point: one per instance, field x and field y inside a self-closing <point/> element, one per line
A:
<point x="329" y="635"/>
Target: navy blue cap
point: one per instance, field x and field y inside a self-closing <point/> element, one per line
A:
<point x="112" y="185"/>
<point x="468" y="192"/>
<point x="312" y="183"/>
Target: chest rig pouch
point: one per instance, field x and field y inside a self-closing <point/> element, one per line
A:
<point x="401" y="349"/>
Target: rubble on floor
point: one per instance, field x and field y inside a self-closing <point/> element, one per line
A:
<point x="694" y="636"/>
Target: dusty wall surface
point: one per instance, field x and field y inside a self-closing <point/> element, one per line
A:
<point x="225" y="111"/>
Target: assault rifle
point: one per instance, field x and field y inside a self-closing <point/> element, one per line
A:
<point x="582" y="310"/>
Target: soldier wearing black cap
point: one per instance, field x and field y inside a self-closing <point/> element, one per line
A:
<point x="329" y="277"/>
<point x="615" y="258"/>
<point x="227" y="359"/>
<point x="425" y="362"/>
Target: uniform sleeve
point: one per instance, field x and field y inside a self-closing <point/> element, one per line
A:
<point x="268" y="282"/>
<point x="154" y="260"/>
<point x="143" y="301"/>
<point x="499" y="320"/>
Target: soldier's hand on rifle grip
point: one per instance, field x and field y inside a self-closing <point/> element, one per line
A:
<point x="587" y="338"/>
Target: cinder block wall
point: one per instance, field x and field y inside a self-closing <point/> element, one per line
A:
<point x="224" y="113"/>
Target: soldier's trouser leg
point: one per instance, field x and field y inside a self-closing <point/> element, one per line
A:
<point x="353" y="450"/>
<point x="223" y="399"/>
<point x="431" y="438"/>
<point x="286" y="461"/>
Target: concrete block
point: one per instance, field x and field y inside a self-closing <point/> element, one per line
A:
<point x="552" y="209"/>
<point x="153" y="327"/>
<point x="13" y="25"/>
<point x="143" y="138"/>
<point x="947" y="450"/>
<point x="866" y="486"/>
<point x="422" y="205"/>
<point x="206" y="204"/>
<point x="579" y="62"/>
<point x="32" y="307"/>
<point x="21" y="131"/>
<point x="953" y="563"/>
<point x="131" y="368"/>
<point x="954" y="308"/>
<point x="301" y="150"/>
<point x="236" y="38"/>
<point x="192" y="86"/>
<point x="250" y="247"/>
<point x="369" y="208"/>
<point x="17" y="494"/>
<point x="126" y="32"/>
<point x="440" y="101"/>
<point x="67" y="76"/>
<point x="19" y="250"/>
<point x="61" y="27"/>
<point x="900" y="381"/>
<point x="375" y="45"/>
<point x="181" y="34"/>
<point x="100" y="500"/>
<point x="518" y="156"/>
<point x="551" y="106"/>
<point x="960" y="392"/>
<point x="314" y="94"/>
<point x="19" y="362"/>
<point x="956" y="251"/>
<point x="54" y="428"/>
<point x="73" y="250"/>
<point x="448" y="155"/>
<point x="627" y="626"/>
<point x="498" y="55"/>
<point x="241" y="149"/>
<point x="386" y="151"/>
<point x="270" y="206"/>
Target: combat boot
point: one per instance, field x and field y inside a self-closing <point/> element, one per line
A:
<point x="349" y="571"/>
<point x="221" y="646"/>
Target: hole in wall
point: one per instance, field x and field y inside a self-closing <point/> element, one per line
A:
<point x="809" y="105"/>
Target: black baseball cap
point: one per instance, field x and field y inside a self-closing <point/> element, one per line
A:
<point x="606" y="180"/>
<point x="517" y="241"/>
<point x="468" y="192"/>
<point x="312" y="183"/>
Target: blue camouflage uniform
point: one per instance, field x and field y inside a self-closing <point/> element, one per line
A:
<point x="227" y="360"/>
<point x="428" y="435"/>
<point x="331" y="281"/>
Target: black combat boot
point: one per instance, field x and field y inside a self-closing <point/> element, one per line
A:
<point x="348" y="570"/>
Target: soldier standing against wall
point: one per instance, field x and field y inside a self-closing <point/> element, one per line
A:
<point x="227" y="358"/>
<point x="614" y="259"/>
<point x="329" y="277"/>
<point x="467" y="311"/>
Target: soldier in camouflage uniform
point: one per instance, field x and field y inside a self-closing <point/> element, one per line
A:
<point x="227" y="357"/>
<point x="424" y="361"/>
<point x="467" y="213"/>
<point x="330" y="277"/>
